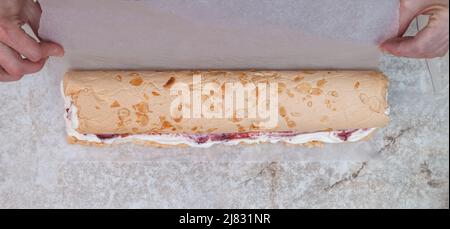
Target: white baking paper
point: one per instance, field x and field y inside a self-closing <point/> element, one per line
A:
<point x="205" y="34"/>
<point x="218" y="34"/>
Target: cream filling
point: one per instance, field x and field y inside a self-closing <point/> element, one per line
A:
<point x="174" y="139"/>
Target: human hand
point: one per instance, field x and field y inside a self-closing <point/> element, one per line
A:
<point x="20" y="54"/>
<point x="430" y="42"/>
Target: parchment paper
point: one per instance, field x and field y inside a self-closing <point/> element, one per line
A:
<point x="205" y="34"/>
<point x="215" y="34"/>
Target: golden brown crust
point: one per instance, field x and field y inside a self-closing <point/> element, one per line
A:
<point x="370" y="135"/>
<point x="74" y="140"/>
<point x="125" y="102"/>
<point x="313" y="144"/>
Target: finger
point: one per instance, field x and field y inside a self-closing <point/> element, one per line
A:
<point x="16" y="38"/>
<point x="32" y="14"/>
<point x="409" y="9"/>
<point x="15" y="65"/>
<point x="5" y="77"/>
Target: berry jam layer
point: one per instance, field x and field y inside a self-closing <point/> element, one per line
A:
<point x="343" y="135"/>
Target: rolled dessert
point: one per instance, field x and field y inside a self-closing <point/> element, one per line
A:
<point x="204" y="108"/>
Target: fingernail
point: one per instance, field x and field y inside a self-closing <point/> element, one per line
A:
<point x="57" y="51"/>
<point x="381" y="49"/>
<point x="384" y="51"/>
<point x="60" y="52"/>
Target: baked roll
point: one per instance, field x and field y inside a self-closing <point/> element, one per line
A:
<point x="203" y="108"/>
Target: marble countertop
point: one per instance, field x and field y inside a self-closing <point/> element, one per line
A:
<point x="409" y="168"/>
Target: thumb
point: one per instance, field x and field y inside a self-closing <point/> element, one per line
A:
<point x="430" y="42"/>
<point x="400" y="46"/>
<point x="51" y="49"/>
